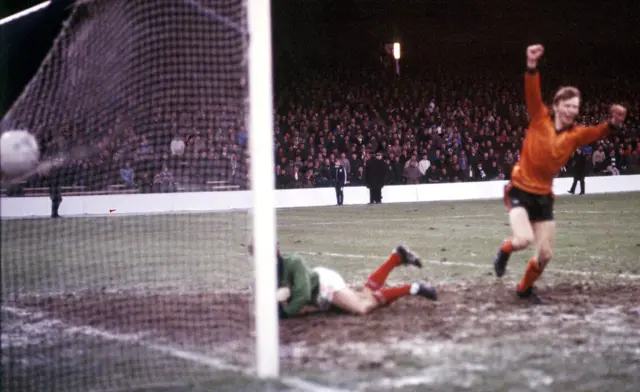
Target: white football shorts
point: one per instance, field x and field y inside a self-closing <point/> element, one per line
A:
<point x="330" y="282"/>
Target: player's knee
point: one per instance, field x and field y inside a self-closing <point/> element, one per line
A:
<point x="522" y="241"/>
<point x="365" y="308"/>
<point x="544" y="255"/>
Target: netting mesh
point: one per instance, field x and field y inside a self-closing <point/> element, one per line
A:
<point x="128" y="78"/>
<point x="135" y="96"/>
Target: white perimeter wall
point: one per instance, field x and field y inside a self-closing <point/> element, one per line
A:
<point x="23" y="207"/>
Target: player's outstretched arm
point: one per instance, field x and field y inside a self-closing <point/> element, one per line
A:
<point x="532" y="91"/>
<point x="589" y="134"/>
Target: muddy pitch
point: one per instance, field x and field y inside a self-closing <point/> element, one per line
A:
<point x="463" y="312"/>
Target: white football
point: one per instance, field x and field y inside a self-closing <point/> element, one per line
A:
<point x="19" y="153"/>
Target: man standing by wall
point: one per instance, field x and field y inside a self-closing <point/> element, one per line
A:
<point x="339" y="178"/>
<point x="51" y="174"/>
<point x="375" y="174"/>
<point x="579" y="169"/>
<point x="54" y="191"/>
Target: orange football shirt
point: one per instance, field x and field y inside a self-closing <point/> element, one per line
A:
<point x="546" y="150"/>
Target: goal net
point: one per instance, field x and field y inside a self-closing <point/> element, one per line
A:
<point x="143" y="106"/>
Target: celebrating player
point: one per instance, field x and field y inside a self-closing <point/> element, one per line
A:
<point x="550" y="140"/>
<point x="322" y="287"/>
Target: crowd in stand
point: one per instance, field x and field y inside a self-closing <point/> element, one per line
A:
<point x="429" y="130"/>
<point x="146" y="163"/>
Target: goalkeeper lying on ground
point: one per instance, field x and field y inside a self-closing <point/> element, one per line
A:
<point x="321" y="287"/>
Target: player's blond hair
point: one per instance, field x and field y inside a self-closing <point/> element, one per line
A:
<point x="566" y="92"/>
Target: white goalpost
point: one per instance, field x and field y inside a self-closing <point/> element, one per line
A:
<point x="262" y="187"/>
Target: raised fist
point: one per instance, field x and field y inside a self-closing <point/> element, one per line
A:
<point x="534" y="52"/>
<point x="618" y="114"/>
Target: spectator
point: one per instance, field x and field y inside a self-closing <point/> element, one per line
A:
<point x="127" y="175"/>
<point x="308" y="181"/>
<point x="283" y="179"/>
<point x="345" y="163"/>
<point x="612" y="164"/>
<point x="296" y="178"/>
<point x="375" y="174"/>
<point x="444" y="175"/>
<point x="412" y="173"/>
<point x="494" y="172"/>
<point x="579" y="164"/>
<point x="164" y="181"/>
<point x="358" y="178"/>
<point x="456" y="174"/>
<point x="479" y="173"/>
<point x="398" y="171"/>
<point x="622" y="159"/>
<point x="391" y="174"/>
<point x="324" y="173"/>
<point x="145" y="147"/>
<point x="355" y="162"/>
<point x="146" y="184"/>
<point x="432" y="175"/>
<point x="339" y="179"/>
<point x="598" y="159"/>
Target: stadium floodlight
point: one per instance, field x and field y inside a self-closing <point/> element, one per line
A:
<point x="396" y="50"/>
<point x="396" y="55"/>
<point x="25" y="12"/>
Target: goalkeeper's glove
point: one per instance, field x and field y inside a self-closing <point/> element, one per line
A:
<point x="283" y="294"/>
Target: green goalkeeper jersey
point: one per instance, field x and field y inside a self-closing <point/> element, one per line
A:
<point x="302" y="282"/>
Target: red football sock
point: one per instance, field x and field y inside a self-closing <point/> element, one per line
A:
<point x="531" y="274"/>
<point x="387" y="295"/>
<point x="507" y="247"/>
<point x="376" y="280"/>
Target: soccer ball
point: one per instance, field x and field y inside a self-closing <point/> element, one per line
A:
<point x="19" y="153"/>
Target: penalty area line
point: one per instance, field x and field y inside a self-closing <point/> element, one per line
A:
<point x="303" y="222"/>
<point x="190" y="356"/>
<point x="471" y="265"/>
